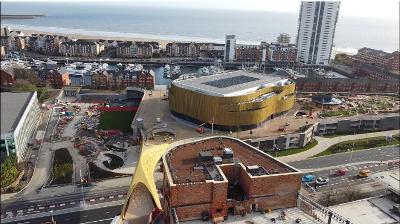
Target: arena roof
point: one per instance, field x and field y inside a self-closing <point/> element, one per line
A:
<point x="229" y="83"/>
<point x="12" y="108"/>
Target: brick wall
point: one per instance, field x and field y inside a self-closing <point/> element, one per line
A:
<point x="275" y="185"/>
<point x="189" y="194"/>
<point x="191" y="212"/>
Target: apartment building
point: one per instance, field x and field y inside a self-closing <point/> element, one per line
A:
<point x="54" y="78"/>
<point x="84" y="48"/>
<point x="230" y="48"/>
<point x="137" y="49"/>
<point x="248" y="53"/>
<point x="316" y="31"/>
<point x="282" y="52"/>
<point x="180" y="49"/>
<point x="379" y="58"/>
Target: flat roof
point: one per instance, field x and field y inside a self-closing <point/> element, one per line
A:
<point x="233" y="83"/>
<point x="184" y="166"/>
<point x="367" y="211"/>
<point x="12" y="108"/>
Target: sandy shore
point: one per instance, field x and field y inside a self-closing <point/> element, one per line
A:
<point x="93" y="37"/>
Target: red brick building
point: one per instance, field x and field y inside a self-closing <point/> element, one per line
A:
<point x="282" y="52"/>
<point x="143" y="79"/>
<point x="248" y="53"/>
<point x="220" y="176"/>
<point x="7" y="78"/>
<point x="379" y="58"/>
<point x="347" y="85"/>
<point x="54" y="78"/>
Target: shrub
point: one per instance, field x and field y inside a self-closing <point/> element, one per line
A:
<point x="9" y="171"/>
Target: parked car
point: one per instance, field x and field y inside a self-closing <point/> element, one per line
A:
<point x="307" y="178"/>
<point x="322" y="180"/>
<point x="363" y="173"/>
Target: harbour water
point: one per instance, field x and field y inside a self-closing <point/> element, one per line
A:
<point x="191" y="24"/>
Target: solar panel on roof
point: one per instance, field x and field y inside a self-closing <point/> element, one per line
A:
<point x="232" y="81"/>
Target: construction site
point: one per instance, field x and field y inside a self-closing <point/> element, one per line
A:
<point x="229" y="178"/>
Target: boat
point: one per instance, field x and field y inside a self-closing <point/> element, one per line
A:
<point x="176" y="72"/>
<point x="167" y="71"/>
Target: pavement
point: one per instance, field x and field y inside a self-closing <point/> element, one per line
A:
<point x="325" y="143"/>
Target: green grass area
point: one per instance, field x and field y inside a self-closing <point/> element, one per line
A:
<point x="62" y="167"/>
<point x="338" y="113"/>
<point x="287" y="152"/>
<point x="359" y="144"/>
<point x="120" y="120"/>
<point x="9" y="171"/>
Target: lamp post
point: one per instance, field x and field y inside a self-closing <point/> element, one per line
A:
<point x="52" y="218"/>
<point x="83" y="197"/>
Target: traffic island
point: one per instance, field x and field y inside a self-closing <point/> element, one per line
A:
<point x="360" y="144"/>
<point x="62" y="167"/>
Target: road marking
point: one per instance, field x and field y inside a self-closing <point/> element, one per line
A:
<point x="101" y="220"/>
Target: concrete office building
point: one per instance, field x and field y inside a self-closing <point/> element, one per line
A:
<point x="230" y="48"/>
<point x="20" y="115"/>
<point x="316" y="31"/>
<point x="367" y="123"/>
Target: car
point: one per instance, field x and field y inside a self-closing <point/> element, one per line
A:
<point x="322" y="180"/>
<point x="363" y="173"/>
<point x="307" y="178"/>
<point x="340" y="172"/>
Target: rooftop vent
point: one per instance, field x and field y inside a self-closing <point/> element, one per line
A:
<point x="217" y="160"/>
<point x="205" y="156"/>
<point x="228" y="153"/>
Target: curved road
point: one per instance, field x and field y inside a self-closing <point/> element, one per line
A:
<point x="325" y="143"/>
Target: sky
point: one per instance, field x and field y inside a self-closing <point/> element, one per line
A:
<point x="387" y="9"/>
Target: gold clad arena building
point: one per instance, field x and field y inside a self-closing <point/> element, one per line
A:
<point x="232" y="101"/>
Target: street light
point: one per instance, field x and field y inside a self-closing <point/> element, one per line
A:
<point x="52" y="218"/>
<point x="83" y="196"/>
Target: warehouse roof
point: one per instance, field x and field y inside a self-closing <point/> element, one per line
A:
<point x="12" y="108"/>
<point x="230" y="83"/>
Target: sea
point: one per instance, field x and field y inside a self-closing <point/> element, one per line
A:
<point x="187" y="24"/>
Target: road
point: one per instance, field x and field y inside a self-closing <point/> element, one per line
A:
<point x="325" y="143"/>
<point x="349" y="179"/>
<point x="98" y="216"/>
<point x="375" y="154"/>
<point x="14" y="208"/>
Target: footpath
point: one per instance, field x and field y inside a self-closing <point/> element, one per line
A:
<point x="325" y="143"/>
